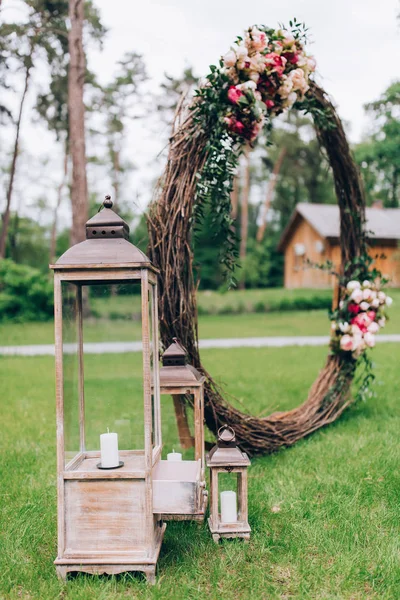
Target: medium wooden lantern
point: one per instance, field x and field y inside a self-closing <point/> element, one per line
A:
<point x="179" y="485"/>
<point x="231" y="520"/>
<point x="106" y="521"/>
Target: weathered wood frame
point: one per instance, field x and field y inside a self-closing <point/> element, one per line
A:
<point x="196" y="390"/>
<point x="241" y="528"/>
<point x="84" y="491"/>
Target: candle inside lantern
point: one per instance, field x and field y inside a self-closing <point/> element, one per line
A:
<point x="109" y="450"/>
<point x="174" y="456"/>
<point x="228" y="507"/>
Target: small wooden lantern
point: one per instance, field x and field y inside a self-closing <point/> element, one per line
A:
<point x="232" y="520"/>
<point x="179" y="487"/>
<point x="106" y="521"/>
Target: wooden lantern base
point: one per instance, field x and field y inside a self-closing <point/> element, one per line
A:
<point x="229" y="530"/>
<point x="114" y="565"/>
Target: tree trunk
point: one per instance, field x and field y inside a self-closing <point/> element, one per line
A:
<point x="270" y="193"/>
<point x="6" y="214"/>
<point x="76" y="110"/>
<point x="53" y="236"/>
<point x="244" y="216"/>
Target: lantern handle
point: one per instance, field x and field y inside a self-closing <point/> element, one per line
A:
<point x="227" y="428"/>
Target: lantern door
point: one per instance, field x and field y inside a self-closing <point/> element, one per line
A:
<point x="107" y="387"/>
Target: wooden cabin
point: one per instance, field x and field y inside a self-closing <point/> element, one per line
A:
<point x="312" y="234"/>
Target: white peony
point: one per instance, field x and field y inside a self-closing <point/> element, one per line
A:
<point x="357" y="296"/>
<point x="299" y="81"/>
<point x="367" y="294"/>
<point x="374" y="327"/>
<point x="250" y="85"/>
<point x="364" y="305"/>
<point x="382" y="297"/>
<point x="286" y="88"/>
<point x="389" y="301"/>
<point x="344" y="327"/>
<point x="369" y="339"/>
<point x="311" y="63"/>
<point x="375" y="302"/>
<point x="291" y="99"/>
<point x="241" y="52"/>
<point x="254" y="76"/>
<point x="230" y="59"/>
<point x="366" y="283"/>
<point x="353" y="285"/>
<point x="381" y="322"/>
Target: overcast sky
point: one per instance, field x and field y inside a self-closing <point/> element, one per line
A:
<point x="356" y="44"/>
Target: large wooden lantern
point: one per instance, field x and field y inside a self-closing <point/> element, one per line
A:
<point x="229" y="517"/>
<point x="179" y="485"/>
<point x="106" y="520"/>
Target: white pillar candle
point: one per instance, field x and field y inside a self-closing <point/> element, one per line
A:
<point x="174" y="456"/>
<point x="228" y="507"/>
<point x="109" y="450"/>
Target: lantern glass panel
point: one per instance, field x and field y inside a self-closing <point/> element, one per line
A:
<point x="182" y="439"/>
<point x="105" y="390"/>
<point x="114" y="381"/>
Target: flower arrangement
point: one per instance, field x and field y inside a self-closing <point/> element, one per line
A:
<point x="266" y="73"/>
<point x="359" y="317"/>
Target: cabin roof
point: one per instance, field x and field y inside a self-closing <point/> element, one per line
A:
<point x="382" y="223"/>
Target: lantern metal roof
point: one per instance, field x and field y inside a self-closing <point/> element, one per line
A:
<point x="107" y="244"/>
<point x="226" y="453"/>
<point x="176" y="370"/>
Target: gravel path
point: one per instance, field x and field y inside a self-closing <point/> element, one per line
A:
<point x="122" y="347"/>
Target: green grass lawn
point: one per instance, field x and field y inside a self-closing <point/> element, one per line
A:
<point x="310" y="322"/>
<point x="325" y="514"/>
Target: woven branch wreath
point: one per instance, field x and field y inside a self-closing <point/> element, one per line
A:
<point x="264" y="74"/>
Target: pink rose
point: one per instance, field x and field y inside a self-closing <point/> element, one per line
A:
<point x="346" y="343"/>
<point x="362" y="322"/>
<point x="269" y="103"/>
<point x="234" y="94"/>
<point x="291" y="57"/>
<point x="275" y="63"/>
<point x="371" y="314"/>
<point x="353" y="309"/>
<point x="256" y="129"/>
<point x="238" y="127"/>
<point x="234" y="125"/>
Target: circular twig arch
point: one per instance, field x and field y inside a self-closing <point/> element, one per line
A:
<point x="170" y="220"/>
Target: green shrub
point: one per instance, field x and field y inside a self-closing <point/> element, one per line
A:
<point x="25" y="293"/>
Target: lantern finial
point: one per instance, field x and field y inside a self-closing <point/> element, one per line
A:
<point x="108" y="203"/>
